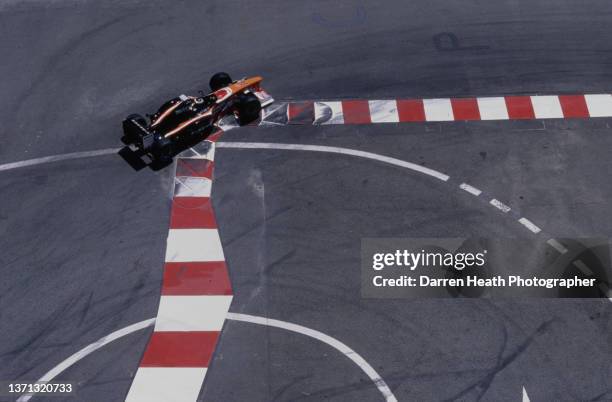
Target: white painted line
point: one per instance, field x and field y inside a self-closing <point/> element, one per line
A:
<point x="173" y="185"/>
<point x="557" y="245"/>
<point x="583" y="267"/>
<point x="344" y="349"/>
<point x="438" y="109"/>
<point x="192" y="313"/>
<point x="492" y="108"/>
<point x="547" y="107"/>
<point x="57" y="370"/>
<point x="186" y="245"/>
<point x="163" y="384"/>
<point x="525" y="396"/>
<point x="210" y="152"/>
<point x="383" y="111"/>
<point x="58" y="158"/>
<point x="470" y="189"/>
<point x="189" y="186"/>
<point x="328" y="113"/>
<point x="70" y="156"/>
<point x="599" y="105"/>
<point x="500" y="205"/>
<point x="206" y="151"/>
<point x="199" y="155"/>
<point x="336" y="150"/>
<point x="529" y="225"/>
<point x="333" y="342"/>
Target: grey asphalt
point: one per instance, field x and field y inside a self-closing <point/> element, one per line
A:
<point x="83" y="241"/>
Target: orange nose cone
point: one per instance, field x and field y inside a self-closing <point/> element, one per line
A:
<point x="246" y="83"/>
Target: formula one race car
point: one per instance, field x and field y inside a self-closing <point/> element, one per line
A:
<point x="192" y="119"/>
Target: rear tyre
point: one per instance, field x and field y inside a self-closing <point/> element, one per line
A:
<point x="248" y="108"/>
<point x="219" y="80"/>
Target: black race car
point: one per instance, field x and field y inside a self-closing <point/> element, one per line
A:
<point x="190" y="119"/>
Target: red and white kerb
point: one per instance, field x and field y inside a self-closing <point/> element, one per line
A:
<point x="364" y="111"/>
<point x="195" y="297"/>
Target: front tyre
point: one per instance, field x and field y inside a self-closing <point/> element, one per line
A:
<point x="248" y="108"/>
<point x="220" y="80"/>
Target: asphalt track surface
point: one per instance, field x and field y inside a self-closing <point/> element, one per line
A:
<point x="83" y="241"/>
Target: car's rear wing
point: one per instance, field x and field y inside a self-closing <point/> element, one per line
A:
<point x="135" y="133"/>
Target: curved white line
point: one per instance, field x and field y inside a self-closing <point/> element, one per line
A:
<point x="57" y="158"/>
<point x="252" y="145"/>
<point x="291" y="147"/>
<point x="336" y="150"/>
<point x="333" y="342"/>
<point x="397" y="162"/>
<point x="57" y="370"/>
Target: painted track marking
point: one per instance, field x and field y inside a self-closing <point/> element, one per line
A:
<point x="554" y="243"/>
<point x="500" y="205"/>
<point x="58" y="158"/>
<point x="363" y="111"/>
<point x="529" y="225"/>
<point x="470" y="189"/>
<point x="380" y="158"/>
<point x="333" y="342"/>
<point x="196" y="291"/>
<point x="525" y="396"/>
<point x="337" y="150"/>
<point x="70" y="361"/>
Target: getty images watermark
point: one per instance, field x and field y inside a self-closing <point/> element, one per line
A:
<point x="476" y="267"/>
